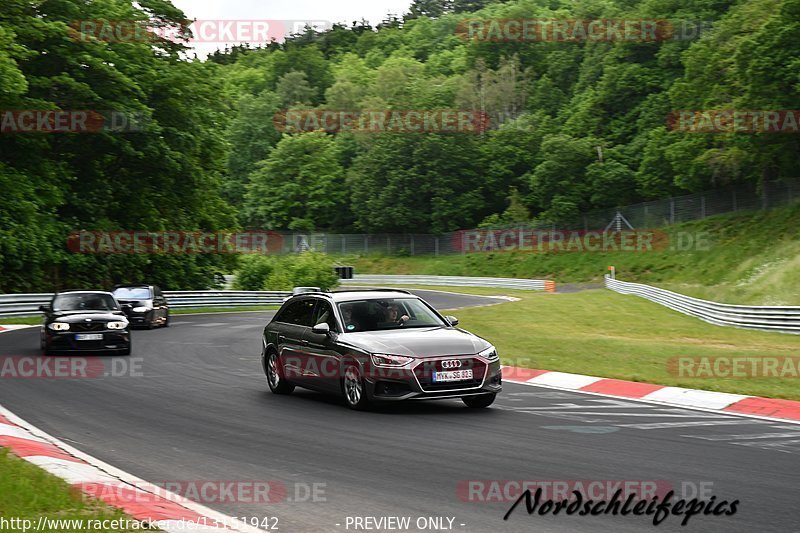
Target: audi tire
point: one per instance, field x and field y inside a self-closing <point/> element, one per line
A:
<point x="355" y="393"/>
<point x="278" y="384"/>
<point x="479" y="401"/>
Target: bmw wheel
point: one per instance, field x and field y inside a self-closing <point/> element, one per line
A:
<point x="275" y="379"/>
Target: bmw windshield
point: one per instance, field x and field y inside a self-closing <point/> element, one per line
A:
<point x="387" y="314"/>
<point x="132" y="293"/>
<point x="85" y="302"/>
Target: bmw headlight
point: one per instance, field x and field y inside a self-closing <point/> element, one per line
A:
<point x="490" y="354"/>
<point x="117" y="325"/>
<point x="381" y="359"/>
<point x="59" y="326"/>
<point x="140" y="309"/>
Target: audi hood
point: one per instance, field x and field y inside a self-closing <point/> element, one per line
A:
<point x="417" y="342"/>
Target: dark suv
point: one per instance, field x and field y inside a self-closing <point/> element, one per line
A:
<point x="145" y="305"/>
<point x="377" y="345"/>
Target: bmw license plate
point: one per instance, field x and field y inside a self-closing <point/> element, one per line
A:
<point x="88" y="336"/>
<point x="453" y="375"/>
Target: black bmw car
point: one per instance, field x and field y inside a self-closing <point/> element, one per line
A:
<point x="144" y="305"/>
<point x="85" y="321"/>
<point x="373" y="346"/>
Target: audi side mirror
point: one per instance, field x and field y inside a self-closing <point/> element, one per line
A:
<point x="321" y="329"/>
<point x="44" y="308"/>
<point x="452" y="320"/>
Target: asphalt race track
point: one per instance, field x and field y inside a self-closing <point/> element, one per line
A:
<point x="201" y="411"/>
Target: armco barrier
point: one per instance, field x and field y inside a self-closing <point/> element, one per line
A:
<point x="764" y="318"/>
<point x="13" y="305"/>
<point x="453" y="281"/>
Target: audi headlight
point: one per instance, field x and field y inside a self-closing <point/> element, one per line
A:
<point x="490" y="354"/>
<point x="59" y="326"/>
<point x="380" y="359"/>
<point x="117" y="325"/>
<point x="140" y="309"/>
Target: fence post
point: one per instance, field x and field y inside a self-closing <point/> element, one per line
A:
<point x="388" y="245"/>
<point x="672" y="210"/>
<point x="366" y="244"/>
<point x="412" y="244"/>
<point x="436" y="246"/>
<point x="703" y="206"/>
<point x="344" y="244"/>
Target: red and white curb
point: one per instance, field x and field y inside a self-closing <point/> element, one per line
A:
<point x="138" y="499"/>
<point x="678" y="396"/>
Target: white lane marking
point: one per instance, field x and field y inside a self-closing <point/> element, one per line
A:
<point x="654" y="402"/>
<point x="692" y="397"/>
<point x="743" y="437"/>
<point x="563" y="379"/>
<point x="786" y="446"/>
<point x="698" y="423"/>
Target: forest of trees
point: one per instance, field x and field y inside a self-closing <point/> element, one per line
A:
<point x="574" y="126"/>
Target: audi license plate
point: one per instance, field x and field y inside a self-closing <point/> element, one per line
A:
<point x="88" y="336"/>
<point x="453" y="375"/>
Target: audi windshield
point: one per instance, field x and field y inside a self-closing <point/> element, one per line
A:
<point x="384" y="314"/>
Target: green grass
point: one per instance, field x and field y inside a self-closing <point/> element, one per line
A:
<point x="28" y="492"/>
<point x="602" y="333"/>
<point x="753" y="258"/>
<point x="23" y="320"/>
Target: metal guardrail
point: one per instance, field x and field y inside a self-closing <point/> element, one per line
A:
<point x="453" y="281"/>
<point x="16" y="305"/>
<point x="763" y="318"/>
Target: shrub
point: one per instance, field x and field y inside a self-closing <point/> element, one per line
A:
<point x="269" y="273"/>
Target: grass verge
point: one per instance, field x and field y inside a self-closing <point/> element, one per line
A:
<point x="28" y="492"/>
<point x="602" y="333"/>
<point x="748" y="258"/>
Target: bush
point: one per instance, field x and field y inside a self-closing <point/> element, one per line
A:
<point x="269" y="273"/>
<point x="253" y="272"/>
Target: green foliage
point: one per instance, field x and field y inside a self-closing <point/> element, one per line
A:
<point x="308" y="269"/>
<point x="166" y="177"/>
<point x="573" y="126"/>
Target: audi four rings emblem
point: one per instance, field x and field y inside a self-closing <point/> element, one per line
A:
<point x="455" y="363"/>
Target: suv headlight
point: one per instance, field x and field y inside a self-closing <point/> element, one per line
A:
<point x="117" y="325"/>
<point x="381" y="359"/>
<point x="140" y="309"/>
<point x="59" y="326"/>
<point x="490" y="354"/>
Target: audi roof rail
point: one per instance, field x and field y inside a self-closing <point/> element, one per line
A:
<point x="374" y="290"/>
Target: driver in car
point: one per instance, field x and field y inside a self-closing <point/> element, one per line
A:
<point x="393" y="315"/>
